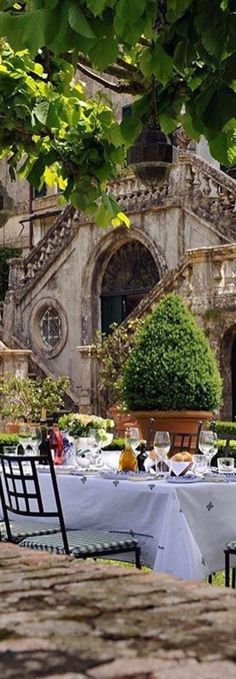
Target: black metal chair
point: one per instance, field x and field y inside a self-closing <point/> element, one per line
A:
<point x="21" y="495"/>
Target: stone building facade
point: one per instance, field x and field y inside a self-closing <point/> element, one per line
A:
<point x="78" y="279"/>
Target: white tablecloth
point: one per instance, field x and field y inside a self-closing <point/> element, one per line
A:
<point x="182" y="528"/>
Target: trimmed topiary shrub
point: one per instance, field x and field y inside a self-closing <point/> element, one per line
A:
<point x="171" y="366"/>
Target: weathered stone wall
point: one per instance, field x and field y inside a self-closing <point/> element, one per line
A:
<point x="63" y="619"/>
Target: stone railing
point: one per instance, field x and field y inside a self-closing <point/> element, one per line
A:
<point x="205" y="277"/>
<point x="24" y="272"/>
<point x="209" y="193"/>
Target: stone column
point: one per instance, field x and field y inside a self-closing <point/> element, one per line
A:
<point x="87" y="394"/>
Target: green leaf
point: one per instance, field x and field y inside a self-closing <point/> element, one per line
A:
<point x="175" y="8"/>
<point x="219" y="148"/>
<point x="167" y="123"/>
<point x="104" y="52"/>
<point x="41" y="111"/>
<point x="114" y="136"/>
<point x="96" y="6"/>
<point x="130" y="129"/>
<point x="130" y="11"/>
<point x="20" y="30"/>
<point x="162" y="64"/>
<point x="108" y="209"/>
<point x="189" y="128"/>
<point x="79" y="23"/>
<point x="216" y="109"/>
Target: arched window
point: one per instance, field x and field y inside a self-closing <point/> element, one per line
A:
<point x="131" y="272"/>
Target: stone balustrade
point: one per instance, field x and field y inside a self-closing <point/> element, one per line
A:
<point x="205" y="278"/>
<point x="64" y="619"/>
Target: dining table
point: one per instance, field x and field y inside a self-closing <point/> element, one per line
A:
<point x="182" y="524"/>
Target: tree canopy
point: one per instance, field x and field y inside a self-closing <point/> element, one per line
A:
<point x="177" y="58"/>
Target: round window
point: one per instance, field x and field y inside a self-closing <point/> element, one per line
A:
<point x="51" y="327"/>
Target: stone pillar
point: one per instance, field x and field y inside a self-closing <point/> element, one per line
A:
<point x="87" y="394"/>
<point x="14" y="361"/>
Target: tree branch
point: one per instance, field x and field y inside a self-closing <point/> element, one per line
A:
<point x="119" y="87"/>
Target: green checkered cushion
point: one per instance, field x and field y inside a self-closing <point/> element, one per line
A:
<point x="24" y="529"/>
<point x="231" y="546"/>
<point x="84" y="543"/>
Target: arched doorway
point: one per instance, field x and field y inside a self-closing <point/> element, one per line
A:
<point x="233" y="378"/>
<point x="130" y="273"/>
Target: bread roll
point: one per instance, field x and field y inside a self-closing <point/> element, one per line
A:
<point x="182" y="457"/>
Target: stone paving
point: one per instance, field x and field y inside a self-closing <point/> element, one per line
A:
<point x="67" y="619"/>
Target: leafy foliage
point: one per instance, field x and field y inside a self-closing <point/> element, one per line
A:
<point x="26" y="398"/>
<point x="171" y="366"/>
<point x="8" y="440"/>
<point x="187" y="47"/>
<point x="222" y="427"/>
<point x="112" y="351"/>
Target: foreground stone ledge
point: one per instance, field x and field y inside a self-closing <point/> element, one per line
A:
<point x="67" y="619"/>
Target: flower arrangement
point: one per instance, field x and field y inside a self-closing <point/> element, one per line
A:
<point x="79" y="425"/>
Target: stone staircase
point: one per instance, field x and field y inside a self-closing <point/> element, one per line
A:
<point x="24" y="273"/>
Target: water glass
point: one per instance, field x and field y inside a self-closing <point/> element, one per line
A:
<point x="208" y="445"/>
<point x="225" y="465"/>
<point x="199" y="464"/>
<point x="161" y="447"/>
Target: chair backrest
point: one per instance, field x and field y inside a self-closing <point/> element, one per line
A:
<point x="21" y="493"/>
<point x="184" y="441"/>
<point x="179" y="440"/>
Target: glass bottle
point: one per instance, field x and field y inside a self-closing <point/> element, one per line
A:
<point x="44" y="445"/>
<point x="128" y="460"/>
<point x="142" y="455"/>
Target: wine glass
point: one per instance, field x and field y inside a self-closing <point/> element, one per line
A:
<point x="208" y="445"/>
<point x="161" y="446"/>
<point x="134" y="437"/>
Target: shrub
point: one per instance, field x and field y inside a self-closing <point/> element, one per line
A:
<point x="223" y="427"/>
<point x="171" y="366"/>
<point x="112" y="352"/>
<point x="8" y="440"/>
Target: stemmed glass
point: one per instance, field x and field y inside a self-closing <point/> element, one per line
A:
<point x="208" y="445"/>
<point x="161" y="446"/>
<point x="134" y="437"/>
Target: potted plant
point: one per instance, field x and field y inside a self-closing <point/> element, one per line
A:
<point x="23" y="399"/>
<point x="171" y="374"/>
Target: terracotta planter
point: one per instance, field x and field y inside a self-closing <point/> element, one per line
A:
<point x="122" y="420"/>
<point x="12" y="427"/>
<point x="183" y="421"/>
